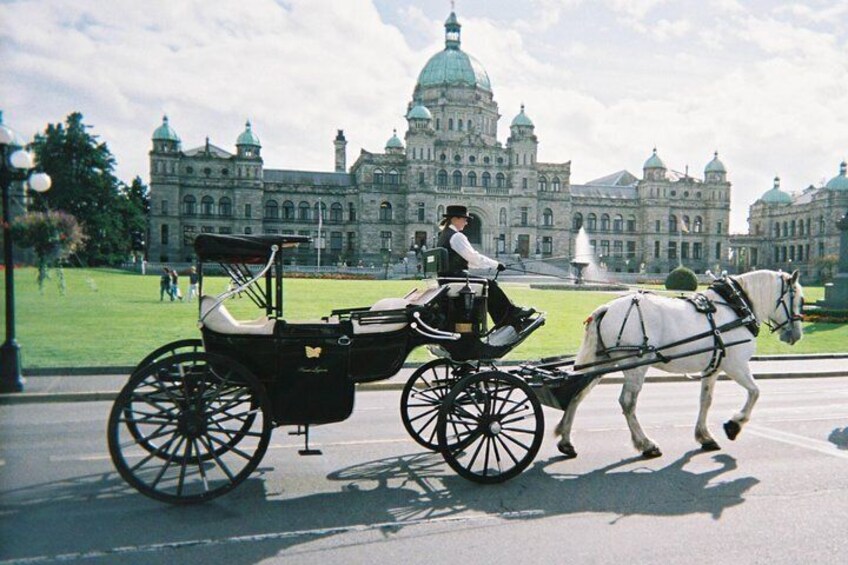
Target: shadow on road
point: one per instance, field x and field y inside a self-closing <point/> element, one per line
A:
<point x="383" y="495"/>
<point x="839" y="438"/>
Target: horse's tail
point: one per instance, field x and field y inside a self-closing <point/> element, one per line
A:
<point x="588" y="351"/>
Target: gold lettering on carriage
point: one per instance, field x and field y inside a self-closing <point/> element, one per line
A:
<point x="315" y="370"/>
<point x="313" y="352"/>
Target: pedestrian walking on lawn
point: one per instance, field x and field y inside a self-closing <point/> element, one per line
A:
<point x="165" y="284"/>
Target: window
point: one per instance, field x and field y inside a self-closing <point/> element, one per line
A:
<point x="698" y="226"/>
<point x="164" y="234"/>
<point x="618" y="249"/>
<point x="618" y="223"/>
<point x="605" y="248"/>
<point x="543" y="184"/>
<point x="697" y="251"/>
<point x="394" y="177"/>
<point x="487" y="180"/>
<point x="385" y="212"/>
<point x="656" y="250"/>
<point x="247" y="211"/>
<point x="672" y="250"/>
<point x="207" y="206"/>
<point x="189" y="205"/>
<point x="226" y="230"/>
<point x="524" y="214"/>
<point x="556" y="185"/>
<point x="207" y="229"/>
<point x="792" y="228"/>
<point x="457" y="178"/>
<point x="271" y="210"/>
<point x="631" y="249"/>
<point x="605" y="222"/>
<point x="304" y="211"/>
<point x="248" y="230"/>
<point x="336" y="212"/>
<point x="472" y="179"/>
<point x="672" y="224"/>
<point x="591" y="222"/>
<point x="631" y="224"/>
<point x="421" y="216"/>
<point x="502" y="217"/>
<point x="378" y="176"/>
<point x="658" y="226"/>
<point x="385" y="241"/>
<point x="442" y="178"/>
<point x="821" y="225"/>
<point x="322" y="208"/>
<point x="500" y="180"/>
<point x="718" y="251"/>
<point x="335" y="241"/>
<point x="288" y="210"/>
<point x="421" y="178"/>
<point x="524" y="182"/>
<point x="164" y="207"/>
<point x="225" y="207"/>
<point x="685" y="227"/>
<point x="684" y="250"/>
<point x="351" y="240"/>
<point x="189" y="233"/>
<point x="548" y="217"/>
<point x="547" y="245"/>
<point x="577" y="221"/>
<point x="450" y="124"/>
<point x="351" y="212"/>
<point x="719" y="229"/>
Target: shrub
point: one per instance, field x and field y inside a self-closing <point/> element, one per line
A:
<point x="52" y="235"/>
<point x="681" y="278"/>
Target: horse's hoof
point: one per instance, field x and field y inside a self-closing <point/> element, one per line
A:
<point x="568" y="451"/>
<point x="652" y="453"/>
<point x="732" y="429"/>
<point x="710" y="446"/>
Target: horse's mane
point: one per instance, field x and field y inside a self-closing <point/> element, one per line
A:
<point x="761" y="290"/>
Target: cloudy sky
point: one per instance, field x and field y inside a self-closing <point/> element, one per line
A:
<point x="763" y="82"/>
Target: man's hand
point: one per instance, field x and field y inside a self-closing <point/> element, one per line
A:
<point x="501" y="267"/>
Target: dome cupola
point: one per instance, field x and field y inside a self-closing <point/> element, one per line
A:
<point x="419" y="112"/>
<point x="247" y="144"/>
<point x="775" y="195"/>
<point x="394" y="145"/>
<point x="452" y="66"/>
<point x="715" y="166"/>
<point x="654" y="168"/>
<point x="165" y="132"/>
<point x="840" y="181"/>
<point x="522" y="119"/>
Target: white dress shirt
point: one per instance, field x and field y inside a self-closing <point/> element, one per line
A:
<point x="461" y="245"/>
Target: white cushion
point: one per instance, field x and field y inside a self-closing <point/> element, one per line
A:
<point x="382" y="304"/>
<point x="221" y="321"/>
<point x="455" y="287"/>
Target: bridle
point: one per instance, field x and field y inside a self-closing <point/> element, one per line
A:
<point x="787" y="289"/>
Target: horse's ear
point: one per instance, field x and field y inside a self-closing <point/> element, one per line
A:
<point x="794" y="278"/>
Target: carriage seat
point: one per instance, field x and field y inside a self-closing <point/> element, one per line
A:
<point x="221" y="321"/>
<point x="376" y="326"/>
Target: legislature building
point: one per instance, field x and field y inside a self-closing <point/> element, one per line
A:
<point x="387" y="203"/>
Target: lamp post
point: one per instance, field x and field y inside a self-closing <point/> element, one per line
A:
<point x="15" y="166"/>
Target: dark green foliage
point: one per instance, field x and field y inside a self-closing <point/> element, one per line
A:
<point x="84" y="185"/>
<point x="681" y="278"/>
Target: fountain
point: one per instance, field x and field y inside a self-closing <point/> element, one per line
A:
<point x="588" y="275"/>
<point x="578" y="267"/>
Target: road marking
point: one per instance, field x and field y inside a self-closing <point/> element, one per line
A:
<point x="796" y="440"/>
<point x="272" y="536"/>
<point x="2" y="462"/>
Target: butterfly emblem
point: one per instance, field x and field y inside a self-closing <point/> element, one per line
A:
<point x="313" y="352"/>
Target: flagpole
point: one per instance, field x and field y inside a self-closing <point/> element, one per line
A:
<point x="320" y="224"/>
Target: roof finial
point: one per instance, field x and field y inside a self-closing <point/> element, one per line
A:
<point x="247" y="123"/>
<point x="776" y="182"/>
<point x="715" y="154"/>
<point x="522" y="107"/>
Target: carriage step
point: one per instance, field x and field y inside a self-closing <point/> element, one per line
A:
<point x="304" y="431"/>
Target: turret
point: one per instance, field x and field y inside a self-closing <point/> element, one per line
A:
<point x="165" y="139"/>
<point x="654" y="168"/>
<point x="247" y="144"/>
<point x="715" y="171"/>
<point x="522" y="140"/>
<point x="394" y="146"/>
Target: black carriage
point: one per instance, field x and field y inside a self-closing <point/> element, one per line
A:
<point x="195" y="418"/>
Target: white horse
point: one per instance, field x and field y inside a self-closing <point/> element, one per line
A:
<point x="774" y="298"/>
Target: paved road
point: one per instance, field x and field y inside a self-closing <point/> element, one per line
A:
<point x="778" y="494"/>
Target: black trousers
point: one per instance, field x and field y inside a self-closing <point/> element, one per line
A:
<point x="500" y="307"/>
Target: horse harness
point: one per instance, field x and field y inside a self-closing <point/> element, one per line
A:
<point x="733" y="296"/>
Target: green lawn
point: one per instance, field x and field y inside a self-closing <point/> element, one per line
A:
<point x="110" y="317"/>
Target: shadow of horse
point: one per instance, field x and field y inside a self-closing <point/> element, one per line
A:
<point x="839" y="438"/>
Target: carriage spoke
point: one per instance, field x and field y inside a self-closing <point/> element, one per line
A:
<point x="156" y="452"/>
<point x="167" y="464"/>
<point x="186" y="457"/>
<point x="229" y="447"/>
<point x="200" y="467"/>
<point x="516" y="442"/>
<point x="208" y="446"/>
<point x="506" y="448"/>
<point x="486" y="459"/>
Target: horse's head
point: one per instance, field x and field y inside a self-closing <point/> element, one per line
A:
<point x="786" y="316"/>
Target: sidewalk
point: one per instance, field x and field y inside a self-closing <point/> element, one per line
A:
<point x="80" y="387"/>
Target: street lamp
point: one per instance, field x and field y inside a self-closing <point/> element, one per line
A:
<point x="15" y="166"/>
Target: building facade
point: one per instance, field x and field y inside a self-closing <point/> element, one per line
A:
<point x="795" y="231"/>
<point x="390" y="202"/>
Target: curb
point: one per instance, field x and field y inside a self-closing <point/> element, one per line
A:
<point x="105" y="395"/>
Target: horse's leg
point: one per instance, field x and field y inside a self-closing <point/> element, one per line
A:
<point x="633" y="381"/>
<point x="702" y="433"/>
<point x="563" y="429"/>
<point x="743" y="376"/>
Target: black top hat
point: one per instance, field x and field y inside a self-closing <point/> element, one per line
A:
<point x="456" y="211"/>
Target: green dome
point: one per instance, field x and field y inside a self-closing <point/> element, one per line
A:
<point x="453" y="67"/>
<point x="394" y="142"/>
<point x="165" y="132"/>
<point x="715" y="166"/>
<point x="522" y="119"/>
<point x="840" y="181"/>
<point x="775" y="195"/>
<point x="419" y="112"/>
<point x="654" y="162"/>
<point x="247" y="137"/>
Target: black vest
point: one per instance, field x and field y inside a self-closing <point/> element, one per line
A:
<point x="456" y="264"/>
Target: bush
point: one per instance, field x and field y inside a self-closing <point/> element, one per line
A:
<point x="681" y="278"/>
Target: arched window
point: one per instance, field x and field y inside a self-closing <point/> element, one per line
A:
<point x="777" y="229"/>
<point x="500" y="180"/>
<point x="543" y="184"/>
<point x="686" y="226"/>
<point x="487" y="180"/>
<point x="207" y="206"/>
<point x="792" y="228"/>
<point x="322" y="207"/>
<point x="225" y="207"/>
<point x="378" y="176"/>
<point x="618" y="223"/>
<point x="189" y="205"/>
<point x="385" y="211"/>
<point x="442" y="178"/>
<point x="605" y="222"/>
<point x="591" y="222"/>
<point x="336" y="212"/>
<point x="556" y="185"/>
<point x="351" y="212"/>
<point x="577" y="221"/>
<point x="472" y="179"/>
<point x="698" y="226"/>
<point x="502" y="217"/>
<point x="821" y="224"/>
<point x="548" y="217"/>
<point x="631" y="223"/>
<point x="272" y="212"/>
<point x="450" y="124"/>
<point x="303" y="211"/>
<point x="785" y="229"/>
<point x="672" y="224"/>
<point x="457" y="178"/>
<point x="288" y="210"/>
<point x="459" y="125"/>
<point x="394" y="177"/>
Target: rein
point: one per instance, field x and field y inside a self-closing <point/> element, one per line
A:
<point x="791" y="317"/>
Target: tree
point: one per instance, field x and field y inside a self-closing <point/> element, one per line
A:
<point x="52" y="236"/>
<point x="84" y="185"/>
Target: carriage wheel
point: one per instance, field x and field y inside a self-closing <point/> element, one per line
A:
<point x="173" y="348"/>
<point x="202" y="421"/>
<point x="490" y="427"/>
<point x="422" y="398"/>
